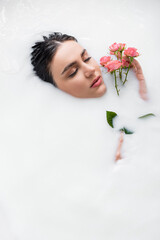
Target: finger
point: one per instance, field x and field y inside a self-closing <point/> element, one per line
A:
<point x="143" y="94"/>
<point x="136" y="64"/>
<point x="118" y="156"/>
<point x="143" y="90"/>
<point x="140" y="76"/>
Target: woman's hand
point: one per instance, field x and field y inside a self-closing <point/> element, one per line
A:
<point x="139" y="74"/>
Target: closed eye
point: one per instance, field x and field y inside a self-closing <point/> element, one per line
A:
<point x="74" y="73"/>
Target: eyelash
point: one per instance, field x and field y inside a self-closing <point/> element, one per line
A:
<point x="72" y="75"/>
<point x="86" y="60"/>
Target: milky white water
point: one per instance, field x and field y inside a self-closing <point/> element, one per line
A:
<point x="58" y="177"/>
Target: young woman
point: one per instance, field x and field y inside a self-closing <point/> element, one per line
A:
<point x="60" y="60"/>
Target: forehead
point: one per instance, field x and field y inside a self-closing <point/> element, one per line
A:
<point x="67" y="52"/>
<point x="68" y="48"/>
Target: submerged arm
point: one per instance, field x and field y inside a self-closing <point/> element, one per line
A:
<point x="118" y="152"/>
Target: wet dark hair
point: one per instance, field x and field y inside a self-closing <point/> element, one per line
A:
<point x="43" y="53"/>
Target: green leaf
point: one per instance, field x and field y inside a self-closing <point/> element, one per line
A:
<point x="147" y="115"/>
<point x="126" y="131"/>
<point x="109" y="116"/>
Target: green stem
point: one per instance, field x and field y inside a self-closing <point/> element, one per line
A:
<point x="120" y="70"/>
<point x="116" y="83"/>
<point x="120" y="74"/>
<point x="131" y="59"/>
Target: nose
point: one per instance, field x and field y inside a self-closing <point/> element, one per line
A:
<point x="88" y="70"/>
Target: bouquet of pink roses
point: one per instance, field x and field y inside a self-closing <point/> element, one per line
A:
<point x="124" y="60"/>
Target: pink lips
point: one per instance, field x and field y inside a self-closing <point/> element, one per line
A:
<point x="96" y="82"/>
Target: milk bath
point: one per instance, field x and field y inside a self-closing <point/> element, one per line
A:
<point x="58" y="177"/>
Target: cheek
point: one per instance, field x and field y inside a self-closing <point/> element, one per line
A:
<point x="77" y="84"/>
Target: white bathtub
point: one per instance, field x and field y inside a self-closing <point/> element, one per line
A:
<point x="58" y="177"/>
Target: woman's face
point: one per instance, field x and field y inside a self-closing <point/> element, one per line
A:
<point x="76" y="72"/>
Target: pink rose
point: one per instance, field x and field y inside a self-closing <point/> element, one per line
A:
<point x="114" y="47"/>
<point x="117" y="54"/>
<point x="113" y="65"/>
<point x="122" y="46"/>
<point x="117" y="47"/>
<point x="104" y="60"/>
<point x="112" y="53"/>
<point x="131" y="52"/>
<point x="125" y="63"/>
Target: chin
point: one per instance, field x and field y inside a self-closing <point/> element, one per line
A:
<point x="101" y="91"/>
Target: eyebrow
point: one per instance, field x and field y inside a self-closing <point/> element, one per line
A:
<point x="72" y="63"/>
